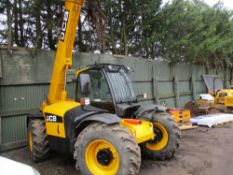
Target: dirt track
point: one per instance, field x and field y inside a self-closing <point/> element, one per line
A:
<point x="203" y="152"/>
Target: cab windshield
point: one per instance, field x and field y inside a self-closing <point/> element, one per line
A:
<point x="121" y="85"/>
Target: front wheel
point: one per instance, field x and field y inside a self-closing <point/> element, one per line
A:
<point x="37" y="140"/>
<point x="107" y="149"/>
<point x="167" y="138"/>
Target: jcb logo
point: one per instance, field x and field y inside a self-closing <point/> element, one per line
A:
<point x="51" y="118"/>
<point x="64" y="25"/>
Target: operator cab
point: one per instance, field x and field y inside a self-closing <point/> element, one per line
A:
<point x="108" y="87"/>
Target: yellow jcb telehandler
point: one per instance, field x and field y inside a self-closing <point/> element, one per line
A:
<point x="104" y="128"/>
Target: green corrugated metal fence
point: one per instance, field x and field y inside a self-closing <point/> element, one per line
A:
<point x="25" y="77"/>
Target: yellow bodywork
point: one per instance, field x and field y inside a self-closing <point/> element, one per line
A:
<point x="222" y="94"/>
<point x="57" y="129"/>
<point x="80" y="70"/>
<point x="204" y="103"/>
<point x="142" y="132"/>
<point x="228" y="101"/>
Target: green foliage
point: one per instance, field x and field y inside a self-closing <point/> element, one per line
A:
<point x="180" y="31"/>
<point x="196" y="33"/>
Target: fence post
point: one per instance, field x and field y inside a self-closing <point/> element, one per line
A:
<point x="193" y="88"/>
<point x="226" y="78"/>
<point x="0" y="66"/>
<point x="155" y="83"/>
<point x="176" y="91"/>
<point x="155" y="90"/>
<point x="0" y="132"/>
<point x="0" y="112"/>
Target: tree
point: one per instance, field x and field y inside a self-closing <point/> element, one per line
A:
<point x="180" y="31"/>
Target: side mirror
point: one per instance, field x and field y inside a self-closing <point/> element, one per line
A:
<point x="85" y="83"/>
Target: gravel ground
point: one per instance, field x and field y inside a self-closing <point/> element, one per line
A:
<point x="203" y="151"/>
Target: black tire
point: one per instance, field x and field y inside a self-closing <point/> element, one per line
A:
<point x="125" y="144"/>
<point x="213" y="111"/>
<point x="39" y="150"/>
<point x="219" y="108"/>
<point x="173" y="135"/>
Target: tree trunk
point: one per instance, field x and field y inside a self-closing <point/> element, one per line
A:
<point x="81" y="45"/>
<point x="21" y="24"/>
<point x="125" y="41"/>
<point x="16" y="23"/>
<point x="112" y="35"/>
<point x="98" y="20"/>
<point x="38" y="27"/>
<point x="207" y="66"/>
<point x="49" y="26"/>
<point x="9" y="23"/>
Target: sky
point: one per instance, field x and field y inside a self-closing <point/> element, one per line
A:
<point x="227" y="3"/>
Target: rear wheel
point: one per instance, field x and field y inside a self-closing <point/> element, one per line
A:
<point x="107" y="149"/>
<point x="167" y="138"/>
<point x="37" y="140"/>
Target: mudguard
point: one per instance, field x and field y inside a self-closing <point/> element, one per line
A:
<point x="75" y="118"/>
<point x="102" y="117"/>
<point x="144" y="110"/>
<point x="38" y="115"/>
<point x="79" y="117"/>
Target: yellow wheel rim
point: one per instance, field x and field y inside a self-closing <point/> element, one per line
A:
<point x="30" y="139"/>
<point x="102" y="158"/>
<point x="160" y="143"/>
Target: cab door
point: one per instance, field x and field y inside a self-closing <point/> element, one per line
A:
<point x="93" y="84"/>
